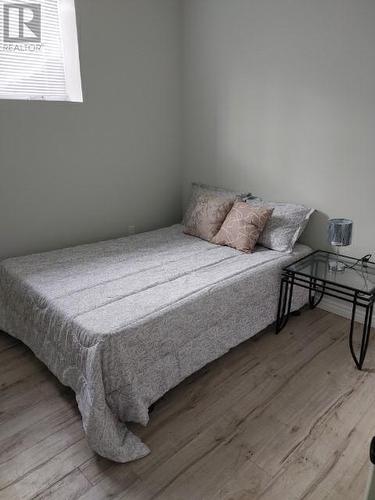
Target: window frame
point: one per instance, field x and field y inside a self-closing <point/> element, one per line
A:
<point x="69" y="39"/>
<point x="70" y="56"/>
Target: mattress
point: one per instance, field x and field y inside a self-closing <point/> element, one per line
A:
<point x="123" y="321"/>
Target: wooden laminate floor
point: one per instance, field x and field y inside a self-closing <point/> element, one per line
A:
<point x="277" y="418"/>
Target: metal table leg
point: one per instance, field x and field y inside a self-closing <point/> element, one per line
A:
<point x="313" y="291"/>
<point x="285" y="302"/>
<point x="365" y="333"/>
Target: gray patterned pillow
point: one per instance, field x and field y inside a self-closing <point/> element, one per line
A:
<point x="208" y="214"/>
<point x="197" y="189"/>
<point x="285" y="226"/>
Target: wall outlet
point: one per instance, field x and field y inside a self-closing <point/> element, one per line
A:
<point x="131" y="229"/>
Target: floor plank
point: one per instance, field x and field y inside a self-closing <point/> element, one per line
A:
<point x="70" y="487"/>
<point x="34" y="425"/>
<point x="279" y="417"/>
<point x="6" y="341"/>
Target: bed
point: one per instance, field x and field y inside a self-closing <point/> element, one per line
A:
<point x="121" y="322"/>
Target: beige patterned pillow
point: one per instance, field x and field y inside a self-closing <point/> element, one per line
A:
<point x="199" y="189"/>
<point x="243" y="226"/>
<point x="207" y="215"/>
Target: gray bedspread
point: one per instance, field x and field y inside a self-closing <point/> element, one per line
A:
<point x="121" y="322"/>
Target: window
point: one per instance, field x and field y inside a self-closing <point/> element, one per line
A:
<point x="39" y="56"/>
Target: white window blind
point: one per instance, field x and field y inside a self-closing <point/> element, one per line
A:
<point x="39" y="56"/>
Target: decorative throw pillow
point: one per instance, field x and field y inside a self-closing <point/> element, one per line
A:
<point x="242" y="226"/>
<point x="198" y="189"/>
<point x="207" y="215"/>
<point x="285" y="226"/>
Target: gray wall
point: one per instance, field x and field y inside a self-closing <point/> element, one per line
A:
<point x="72" y="173"/>
<point x="280" y="100"/>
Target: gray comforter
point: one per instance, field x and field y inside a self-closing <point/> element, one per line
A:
<point x="121" y="322"/>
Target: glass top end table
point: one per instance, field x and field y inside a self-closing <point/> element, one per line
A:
<point x="315" y="272"/>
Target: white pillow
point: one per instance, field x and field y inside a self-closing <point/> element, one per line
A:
<point x="285" y="225"/>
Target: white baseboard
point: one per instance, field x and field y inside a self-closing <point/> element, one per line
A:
<point x="344" y="309"/>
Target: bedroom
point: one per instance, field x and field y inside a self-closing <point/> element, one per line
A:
<point x="126" y="339"/>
